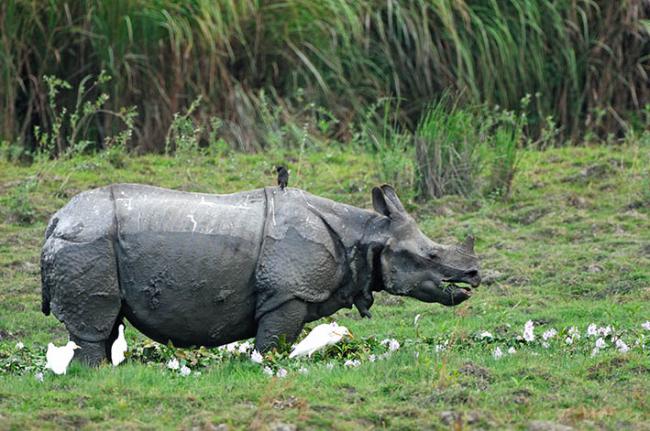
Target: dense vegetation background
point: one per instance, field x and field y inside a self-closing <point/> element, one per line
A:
<point x="271" y="71"/>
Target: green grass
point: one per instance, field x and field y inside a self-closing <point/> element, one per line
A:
<point x="571" y="246"/>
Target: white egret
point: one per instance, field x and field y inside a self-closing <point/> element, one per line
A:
<point x="320" y="337"/>
<point x="58" y="358"/>
<point x="119" y="347"/>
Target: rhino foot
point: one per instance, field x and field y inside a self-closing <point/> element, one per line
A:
<point x="91" y="353"/>
<point x="282" y="323"/>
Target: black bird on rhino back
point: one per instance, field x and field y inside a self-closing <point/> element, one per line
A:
<point x="283" y="177"/>
<point x="200" y="269"/>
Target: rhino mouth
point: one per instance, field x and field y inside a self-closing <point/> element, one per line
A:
<point x="454" y="287"/>
<point x="445" y="292"/>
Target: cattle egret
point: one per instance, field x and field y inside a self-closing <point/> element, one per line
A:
<point x="320" y="337"/>
<point x="119" y="347"/>
<point x="58" y="358"/>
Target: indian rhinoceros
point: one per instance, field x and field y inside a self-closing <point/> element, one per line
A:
<point x="205" y="270"/>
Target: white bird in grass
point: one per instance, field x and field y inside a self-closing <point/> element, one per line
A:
<point x="320" y="337"/>
<point x="58" y="358"/>
<point x="119" y="347"/>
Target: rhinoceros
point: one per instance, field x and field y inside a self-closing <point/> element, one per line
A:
<point x="205" y="269"/>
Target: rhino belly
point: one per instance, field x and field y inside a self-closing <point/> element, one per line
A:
<point x="186" y="288"/>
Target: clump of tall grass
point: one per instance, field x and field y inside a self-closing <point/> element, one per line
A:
<point x="466" y="151"/>
<point x="587" y="58"/>
<point x="448" y="144"/>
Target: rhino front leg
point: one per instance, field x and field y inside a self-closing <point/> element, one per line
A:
<point x="285" y="321"/>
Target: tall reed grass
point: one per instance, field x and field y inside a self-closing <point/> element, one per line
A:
<point x="586" y="60"/>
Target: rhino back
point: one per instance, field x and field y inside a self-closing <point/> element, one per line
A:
<point x="186" y="262"/>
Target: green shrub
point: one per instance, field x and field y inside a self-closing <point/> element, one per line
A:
<point x="183" y="134"/>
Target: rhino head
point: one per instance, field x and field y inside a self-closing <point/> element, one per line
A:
<point x="413" y="265"/>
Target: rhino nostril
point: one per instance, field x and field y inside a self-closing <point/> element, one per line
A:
<point x="472" y="273"/>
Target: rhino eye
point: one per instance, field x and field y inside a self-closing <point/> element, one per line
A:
<point x="432" y="255"/>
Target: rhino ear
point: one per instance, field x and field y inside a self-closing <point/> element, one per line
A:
<point x="386" y="202"/>
<point x="389" y="192"/>
<point x="468" y="244"/>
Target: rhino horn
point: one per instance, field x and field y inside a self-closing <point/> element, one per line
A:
<point x="468" y="244"/>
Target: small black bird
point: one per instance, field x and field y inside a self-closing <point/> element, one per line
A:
<point x="283" y="177"/>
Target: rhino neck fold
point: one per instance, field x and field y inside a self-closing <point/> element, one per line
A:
<point x="373" y="242"/>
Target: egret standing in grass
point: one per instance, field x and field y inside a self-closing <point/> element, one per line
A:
<point x="58" y="358"/>
<point x="119" y="347"/>
<point x="320" y="337"/>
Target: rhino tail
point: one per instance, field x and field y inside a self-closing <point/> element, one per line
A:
<point x="46" y="268"/>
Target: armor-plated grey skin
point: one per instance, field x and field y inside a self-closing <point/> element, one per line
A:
<point x="200" y="269"/>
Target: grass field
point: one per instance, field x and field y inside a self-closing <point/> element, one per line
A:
<point x="570" y="248"/>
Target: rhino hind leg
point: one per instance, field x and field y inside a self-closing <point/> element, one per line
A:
<point x="284" y="322"/>
<point x="84" y="293"/>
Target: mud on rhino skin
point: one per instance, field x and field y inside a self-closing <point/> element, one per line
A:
<point x="205" y="270"/>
